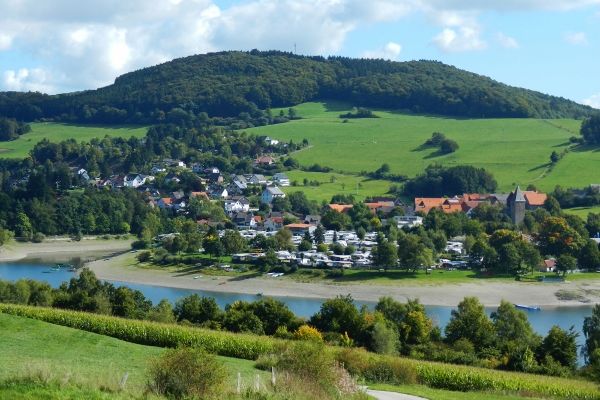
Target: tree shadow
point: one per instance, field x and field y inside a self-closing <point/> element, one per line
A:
<point x="336" y="106"/>
<point x="435" y="154"/>
<point x="541" y="166"/>
<point x="582" y="148"/>
<point x="245" y="277"/>
<point x="562" y="144"/>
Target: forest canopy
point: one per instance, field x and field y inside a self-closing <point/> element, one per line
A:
<point x="229" y="83"/>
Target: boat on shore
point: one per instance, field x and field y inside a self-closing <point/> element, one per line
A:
<point x="528" y="308"/>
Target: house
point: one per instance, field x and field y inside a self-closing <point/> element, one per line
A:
<point x="299" y="229"/>
<point x="271" y="142"/>
<point x="426" y="204"/>
<point x="548" y="265"/>
<point x="256" y="179"/>
<point x="218" y="192"/>
<point x="179" y="205"/>
<point x="240" y="181"/>
<point x="164" y="202"/>
<point x="312" y="219"/>
<point x="341" y="208"/>
<point x="384" y="207"/>
<point x="157" y="169"/>
<point x="134" y="180"/>
<point x="273" y="224"/>
<point x="178" y="195"/>
<point x="264" y="160"/>
<point x="271" y="193"/>
<point x="83" y="175"/>
<point x="409" y="221"/>
<point x="521" y="200"/>
<point x="175" y="163"/>
<point x="244" y="220"/>
<point x="281" y="179"/>
<point x="211" y="171"/>
<point x="172" y="178"/>
<point x="197" y="168"/>
<point x="237" y="204"/>
<point x="201" y="195"/>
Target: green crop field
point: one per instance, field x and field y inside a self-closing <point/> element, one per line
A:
<point x="31" y="347"/>
<point x="583" y="211"/>
<point x="56" y="132"/>
<point x="331" y="183"/>
<point x="516" y="151"/>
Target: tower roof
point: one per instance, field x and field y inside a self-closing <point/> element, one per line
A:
<point x="519" y="196"/>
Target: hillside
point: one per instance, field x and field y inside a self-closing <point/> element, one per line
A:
<point x="515" y="150"/>
<point x="227" y="83"/>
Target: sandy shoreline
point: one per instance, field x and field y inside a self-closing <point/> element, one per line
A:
<point x="64" y="248"/>
<point x="490" y="293"/>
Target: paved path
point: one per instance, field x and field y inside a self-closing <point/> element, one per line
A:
<point x="380" y="395"/>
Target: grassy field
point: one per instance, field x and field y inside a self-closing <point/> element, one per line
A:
<point x="335" y="183"/>
<point x="516" y="151"/>
<point x="583" y="211"/>
<point x="400" y="277"/>
<point x="56" y="132"/>
<point x="31" y="347"/>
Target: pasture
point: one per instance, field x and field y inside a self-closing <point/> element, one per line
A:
<point x="36" y="348"/>
<point x="331" y="183"/>
<point x="516" y="151"/>
<point x="56" y="132"/>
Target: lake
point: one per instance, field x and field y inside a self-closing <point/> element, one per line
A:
<point x="542" y="321"/>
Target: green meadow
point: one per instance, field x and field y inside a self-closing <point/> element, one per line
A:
<point x="331" y="183"/>
<point x="516" y="151"/>
<point x="32" y="348"/>
<point x="56" y="132"/>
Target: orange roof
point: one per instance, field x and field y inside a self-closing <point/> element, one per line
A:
<point x="425" y="204"/>
<point x="341" y="208"/>
<point x="199" y="194"/>
<point x="166" y="200"/>
<point x="535" y="198"/>
<point x="277" y="220"/>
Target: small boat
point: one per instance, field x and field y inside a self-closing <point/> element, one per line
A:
<point x="197" y="277"/>
<point x="528" y="308"/>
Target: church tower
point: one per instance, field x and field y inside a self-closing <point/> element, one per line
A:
<point x="517" y="205"/>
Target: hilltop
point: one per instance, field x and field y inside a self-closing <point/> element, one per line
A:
<point x="229" y="83"/>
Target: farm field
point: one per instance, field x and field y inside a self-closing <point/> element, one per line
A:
<point x="56" y="132"/>
<point x="516" y="151"/>
<point x="331" y="183"/>
<point x="31" y="347"/>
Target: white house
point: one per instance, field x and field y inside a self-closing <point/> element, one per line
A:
<point x="237" y="204"/>
<point x="281" y="179"/>
<point x="255" y="179"/>
<point x="271" y="193"/>
<point x="271" y="141"/>
<point x="157" y="169"/>
<point x="410" y="221"/>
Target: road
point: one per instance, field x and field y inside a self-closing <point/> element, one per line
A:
<point x="380" y="395"/>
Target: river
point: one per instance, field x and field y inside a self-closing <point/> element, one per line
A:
<point x="541" y="321"/>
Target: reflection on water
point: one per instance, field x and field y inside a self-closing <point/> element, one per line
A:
<point x="542" y="321"/>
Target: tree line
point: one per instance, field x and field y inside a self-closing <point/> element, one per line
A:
<point x="226" y="84"/>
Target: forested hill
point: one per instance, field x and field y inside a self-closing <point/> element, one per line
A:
<point x="228" y="83"/>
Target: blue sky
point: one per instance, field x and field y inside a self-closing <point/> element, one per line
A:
<point x="64" y="45"/>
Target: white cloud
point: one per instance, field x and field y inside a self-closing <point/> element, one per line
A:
<point x="506" y="41"/>
<point x="390" y="51"/>
<point x="576" y="38"/>
<point x="35" y="80"/>
<point x="593" y="101"/>
<point x="87" y="44"/>
<point x="5" y="41"/>
<point x="461" y="32"/>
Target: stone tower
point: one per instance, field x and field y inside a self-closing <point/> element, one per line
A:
<point x="517" y="204"/>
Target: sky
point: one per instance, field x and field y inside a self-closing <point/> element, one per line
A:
<point x="57" y="46"/>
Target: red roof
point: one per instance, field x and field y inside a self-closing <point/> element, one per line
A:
<point x="341" y="208"/>
<point x="166" y="200"/>
<point x="535" y="198"/>
<point x="298" y="226"/>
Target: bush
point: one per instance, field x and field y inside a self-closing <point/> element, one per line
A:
<point x="187" y="373"/>
<point x="144" y="256"/>
<point x="382" y="369"/>
<point x="140" y="244"/>
<point x="38" y="237"/>
<point x="307" y="332"/>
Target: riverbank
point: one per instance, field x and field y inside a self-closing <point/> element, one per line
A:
<point x="124" y="268"/>
<point x="63" y="248"/>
